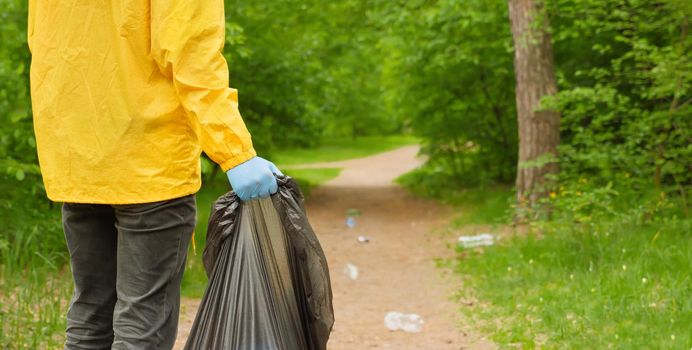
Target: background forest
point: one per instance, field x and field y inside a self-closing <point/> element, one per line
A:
<point x="610" y="235"/>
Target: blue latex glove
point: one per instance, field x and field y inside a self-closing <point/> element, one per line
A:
<point x="254" y="178"/>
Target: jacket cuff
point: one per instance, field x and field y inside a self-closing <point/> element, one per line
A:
<point x="238" y="159"/>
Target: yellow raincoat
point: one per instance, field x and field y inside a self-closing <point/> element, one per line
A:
<point x="126" y="94"/>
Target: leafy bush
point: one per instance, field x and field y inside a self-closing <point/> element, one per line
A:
<point x="17" y="143"/>
<point x="450" y="73"/>
<point x="626" y="84"/>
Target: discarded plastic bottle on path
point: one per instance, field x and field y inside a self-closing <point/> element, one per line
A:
<point x="351" y="271"/>
<point x="410" y="323"/>
<point x="350" y="222"/>
<point x="483" y="239"/>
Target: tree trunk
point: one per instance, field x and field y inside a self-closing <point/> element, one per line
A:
<point x="539" y="130"/>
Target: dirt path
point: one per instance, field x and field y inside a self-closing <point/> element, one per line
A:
<point x="397" y="269"/>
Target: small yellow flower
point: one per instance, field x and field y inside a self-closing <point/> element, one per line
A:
<point x="553" y="195"/>
<point x="644" y="280"/>
<point x="624" y="267"/>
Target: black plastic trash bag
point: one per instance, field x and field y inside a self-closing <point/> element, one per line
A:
<point x="269" y="285"/>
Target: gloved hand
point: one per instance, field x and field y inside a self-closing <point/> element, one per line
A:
<point x="254" y="178"/>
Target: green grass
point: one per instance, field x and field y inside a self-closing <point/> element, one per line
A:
<point x="488" y="206"/>
<point x="340" y="149"/>
<point x="35" y="285"/>
<point x="33" y="307"/>
<point x="614" y="284"/>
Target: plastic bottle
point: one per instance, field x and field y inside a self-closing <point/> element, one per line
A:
<point x="410" y="323"/>
<point x="484" y="239"/>
<point x="350" y="222"/>
<point x="351" y="271"/>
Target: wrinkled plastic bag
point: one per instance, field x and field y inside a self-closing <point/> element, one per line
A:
<point x="269" y="284"/>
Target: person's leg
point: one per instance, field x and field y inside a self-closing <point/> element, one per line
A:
<point x="152" y="247"/>
<point x="91" y="240"/>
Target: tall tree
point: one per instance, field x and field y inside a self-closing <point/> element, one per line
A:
<point x="539" y="129"/>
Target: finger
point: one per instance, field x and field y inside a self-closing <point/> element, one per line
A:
<point x="256" y="190"/>
<point x="264" y="191"/>
<point x="260" y="185"/>
<point x="273" y="186"/>
<point x="242" y="195"/>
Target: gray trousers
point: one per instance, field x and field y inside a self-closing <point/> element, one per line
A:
<point x="127" y="264"/>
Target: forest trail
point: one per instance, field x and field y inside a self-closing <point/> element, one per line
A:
<point x="397" y="268"/>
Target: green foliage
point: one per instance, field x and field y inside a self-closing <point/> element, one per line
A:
<point x="624" y="78"/>
<point x="449" y="69"/>
<point x="305" y="70"/>
<point x="626" y="87"/>
<point x="17" y="143"/>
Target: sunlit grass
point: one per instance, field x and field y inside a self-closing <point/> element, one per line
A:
<point x="33" y="307"/>
<point x="616" y="284"/>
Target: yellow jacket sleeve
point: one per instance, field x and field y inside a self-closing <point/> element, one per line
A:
<point x="187" y="39"/>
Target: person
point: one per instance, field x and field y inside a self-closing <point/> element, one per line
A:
<point x="126" y="95"/>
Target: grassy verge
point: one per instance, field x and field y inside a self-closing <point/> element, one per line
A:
<point x="341" y="149"/>
<point x="617" y="283"/>
<point x="35" y="285"/>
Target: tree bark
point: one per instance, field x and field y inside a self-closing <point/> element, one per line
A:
<point x="539" y="130"/>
